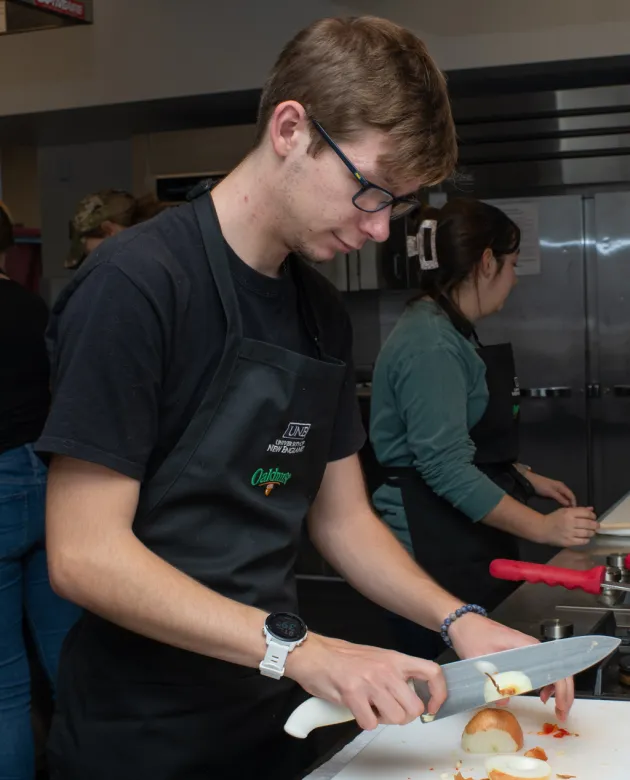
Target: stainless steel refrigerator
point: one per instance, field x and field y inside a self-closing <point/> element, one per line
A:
<point x="570" y="327"/>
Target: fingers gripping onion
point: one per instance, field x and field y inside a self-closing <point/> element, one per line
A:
<point x="506" y="684"/>
<point x="492" y="731"/>
<point x="517" y="768"/>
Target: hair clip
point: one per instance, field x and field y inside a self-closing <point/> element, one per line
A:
<point x="430" y="262"/>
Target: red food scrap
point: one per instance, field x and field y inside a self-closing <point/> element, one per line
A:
<point x="555" y="731"/>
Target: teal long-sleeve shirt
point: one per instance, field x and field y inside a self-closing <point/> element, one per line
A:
<point x="429" y="390"/>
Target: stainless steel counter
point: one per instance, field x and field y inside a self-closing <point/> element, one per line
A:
<point x="531" y="604"/>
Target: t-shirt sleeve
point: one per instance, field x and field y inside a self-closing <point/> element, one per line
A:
<point x="431" y="392"/>
<point x="107" y="366"/>
<point x="348" y="432"/>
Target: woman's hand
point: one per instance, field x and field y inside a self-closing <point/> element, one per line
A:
<point x="551" y="488"/>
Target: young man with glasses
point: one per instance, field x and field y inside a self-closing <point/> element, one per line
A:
<point x="205" y="405"/>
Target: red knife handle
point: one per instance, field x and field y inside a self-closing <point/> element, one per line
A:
<point x="589" y="581"/>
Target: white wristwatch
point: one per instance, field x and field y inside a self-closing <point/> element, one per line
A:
<point x="283" y="632"/>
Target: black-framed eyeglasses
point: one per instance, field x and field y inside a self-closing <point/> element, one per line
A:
<point x="370" y="197"/>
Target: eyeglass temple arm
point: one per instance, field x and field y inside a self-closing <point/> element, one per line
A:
<point x="357" y="174"/>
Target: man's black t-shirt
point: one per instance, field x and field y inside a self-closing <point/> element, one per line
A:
<point x="24" y="395"/>
<point x="136" y="337"/>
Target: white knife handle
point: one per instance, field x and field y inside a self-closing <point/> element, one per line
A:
<point x="314" y="713"/>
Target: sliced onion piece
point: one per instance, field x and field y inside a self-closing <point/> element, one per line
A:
<point x="506" y="684"/>
<point x="517" y="768"/>
<point x="493" y="731"/>
<point x="485" y="667"/>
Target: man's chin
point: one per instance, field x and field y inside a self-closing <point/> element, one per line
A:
<point x="316" y="256"/>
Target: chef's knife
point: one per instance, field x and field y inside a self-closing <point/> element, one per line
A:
<point x="592" y="580"/>
<point x="466" y="681"/>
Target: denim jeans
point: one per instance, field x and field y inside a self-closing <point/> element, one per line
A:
<point x="25" y="593"/>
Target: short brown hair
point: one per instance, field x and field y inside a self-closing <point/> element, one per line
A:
<point x="357" y="72"/>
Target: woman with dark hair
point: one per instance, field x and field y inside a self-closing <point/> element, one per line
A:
<point x="25" y="592"/>
<point x="444" y="419"/>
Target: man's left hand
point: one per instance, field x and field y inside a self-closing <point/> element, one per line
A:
<point x="473" y="635"/>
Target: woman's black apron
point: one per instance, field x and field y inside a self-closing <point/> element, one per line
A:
<point x="227" y="508"/>
<point x="449" y="546"/>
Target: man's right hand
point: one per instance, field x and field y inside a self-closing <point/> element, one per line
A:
<point x="370" y="681"/>
<point x="570" y="527"/>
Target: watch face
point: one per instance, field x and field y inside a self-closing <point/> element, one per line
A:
<point x="285" y="626"/>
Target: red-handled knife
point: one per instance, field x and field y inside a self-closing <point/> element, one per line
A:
<point x="592" y="581"/>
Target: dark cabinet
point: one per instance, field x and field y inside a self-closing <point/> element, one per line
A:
<point x="393" y="264"/>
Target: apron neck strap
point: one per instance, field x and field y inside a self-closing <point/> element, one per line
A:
<point x="216" y="254"/>
<point x="459" y="322"/>
<point x="295" y="266"/>
<point x="475" y="338"/>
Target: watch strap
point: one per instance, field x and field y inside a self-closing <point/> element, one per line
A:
<point x="275" y="659"/>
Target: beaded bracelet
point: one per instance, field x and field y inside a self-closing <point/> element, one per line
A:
<point x="457" y="614"/>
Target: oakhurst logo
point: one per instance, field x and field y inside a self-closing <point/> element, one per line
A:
<point x="269" y="479"/>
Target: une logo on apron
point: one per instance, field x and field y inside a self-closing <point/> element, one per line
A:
<point x="270" y="479"/>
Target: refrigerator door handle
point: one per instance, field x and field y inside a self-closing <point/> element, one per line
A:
<point x="546" y="392"/>
<point x="621" y="391"/>
<point x="594" y="390"/>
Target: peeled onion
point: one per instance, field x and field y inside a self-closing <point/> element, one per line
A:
<point x="509" y="683"/>
<point x="492" y="731"/>
<point x="485" y="667"/>
<point x="517" y="768"/>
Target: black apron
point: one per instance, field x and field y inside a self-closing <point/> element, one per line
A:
<point x="449" y="546"/>
<point x="227" y="508"/>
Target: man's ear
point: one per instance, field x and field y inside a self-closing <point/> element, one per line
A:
<point x="287" y="126"/>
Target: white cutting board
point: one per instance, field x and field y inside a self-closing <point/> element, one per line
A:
<point x="616" y="521"/>
<point x="426" y="751"/>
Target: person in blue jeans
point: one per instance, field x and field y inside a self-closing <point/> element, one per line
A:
<point x="26" y="597"/>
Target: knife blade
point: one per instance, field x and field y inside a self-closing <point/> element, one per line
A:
<point x="466" y="681"/>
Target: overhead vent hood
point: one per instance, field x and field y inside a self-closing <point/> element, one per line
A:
<point x="29" y="15"/>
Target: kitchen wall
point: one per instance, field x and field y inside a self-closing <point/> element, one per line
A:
<point x="510" y="32"/>
<point x="66" y="175"/>
<point x="151" y="49"/>
<point x="20" y="184"/>
<point x="211" y="150"/>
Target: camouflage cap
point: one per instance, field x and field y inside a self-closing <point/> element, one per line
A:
<point x="91" y="212"/>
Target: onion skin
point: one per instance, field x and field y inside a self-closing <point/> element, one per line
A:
<point x="537" y="752"/>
